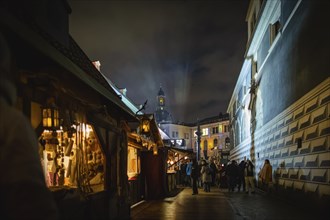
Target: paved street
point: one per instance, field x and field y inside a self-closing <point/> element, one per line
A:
<point x="220" y="204"/>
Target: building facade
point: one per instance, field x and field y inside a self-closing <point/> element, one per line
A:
<point x="214" y="142"/>
<point x="279" y="109"/>
<point x="215" y="139"/>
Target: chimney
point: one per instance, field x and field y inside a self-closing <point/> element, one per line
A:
<point x="97" y="65"/>
<point x="123" y="91"/>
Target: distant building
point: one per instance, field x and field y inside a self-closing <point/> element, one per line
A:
<point x="214" y="139"/>
<point x="161" y="114"/>
<point x="279" y="109"/>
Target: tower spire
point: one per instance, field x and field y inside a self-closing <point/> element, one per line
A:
<point x="161" y="114"/>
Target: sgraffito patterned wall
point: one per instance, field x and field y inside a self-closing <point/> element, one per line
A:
<point x="297" y="144"/>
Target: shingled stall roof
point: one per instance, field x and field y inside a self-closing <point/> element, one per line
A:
<point x="70" y="57"/>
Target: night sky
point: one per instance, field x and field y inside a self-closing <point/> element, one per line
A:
<point x="193" y="49"/>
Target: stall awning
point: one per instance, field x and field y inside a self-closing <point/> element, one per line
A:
<point x="181" y="151"/>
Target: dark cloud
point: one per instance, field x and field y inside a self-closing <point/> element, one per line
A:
<point x="194" y="49"/>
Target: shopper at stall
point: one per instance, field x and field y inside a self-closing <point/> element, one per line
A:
<point x="23" y="191"/>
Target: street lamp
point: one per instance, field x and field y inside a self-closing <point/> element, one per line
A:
<point x="198" y="133"/>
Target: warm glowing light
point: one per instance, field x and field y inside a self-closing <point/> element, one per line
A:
<point x="50" y="117"/>
<point x="145" y="126"/>
<point x="205" y="131"/>
<point x="155" y="150"/>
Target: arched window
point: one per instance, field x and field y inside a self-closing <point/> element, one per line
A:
<point x="227" y="143"/>
<point x="237" y="134"/>
<point x="205" y="145"/>
<point x="215" y="142"/>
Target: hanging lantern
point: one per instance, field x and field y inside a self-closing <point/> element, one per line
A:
<point x="50" y="117"/>
<point x="155" y="150"/>
<point x="145" y="126"/>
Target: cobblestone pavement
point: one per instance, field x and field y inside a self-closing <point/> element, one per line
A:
<point x="221" y="204"/>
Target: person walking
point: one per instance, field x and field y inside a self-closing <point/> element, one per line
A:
<point x="23" y="190"/>
<point x="249" y="176"/>
<point x="266" y="176"/>
<point x="206" y="173"/>
<point x="194" y="176"/>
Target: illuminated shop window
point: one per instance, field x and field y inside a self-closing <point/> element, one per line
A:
<point x="72" y="155"/>
<point x="132" y="163"/>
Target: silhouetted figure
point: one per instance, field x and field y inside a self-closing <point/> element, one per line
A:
<point x="232" y="172"/>
<point x="214" y="172"/>
<point x="23" y="191"/>
<point x="194" y="176"/>
<point x="223" y="177"/>
<point x="241" y="177"/>
<point x="183" y="174"/>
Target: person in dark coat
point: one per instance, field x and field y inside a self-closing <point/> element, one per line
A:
<point x="194" y="176"/>
<point x="223" y="177"/>
<point x="241" y="177"/>
<point x="232" y="173"/>
<point x="213" y="172"/>
<point x="183" y="174"/>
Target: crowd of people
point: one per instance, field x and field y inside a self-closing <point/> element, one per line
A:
<point x="233" y="176"/>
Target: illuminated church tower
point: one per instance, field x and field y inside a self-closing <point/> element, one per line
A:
<point x="161" y="114"/>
